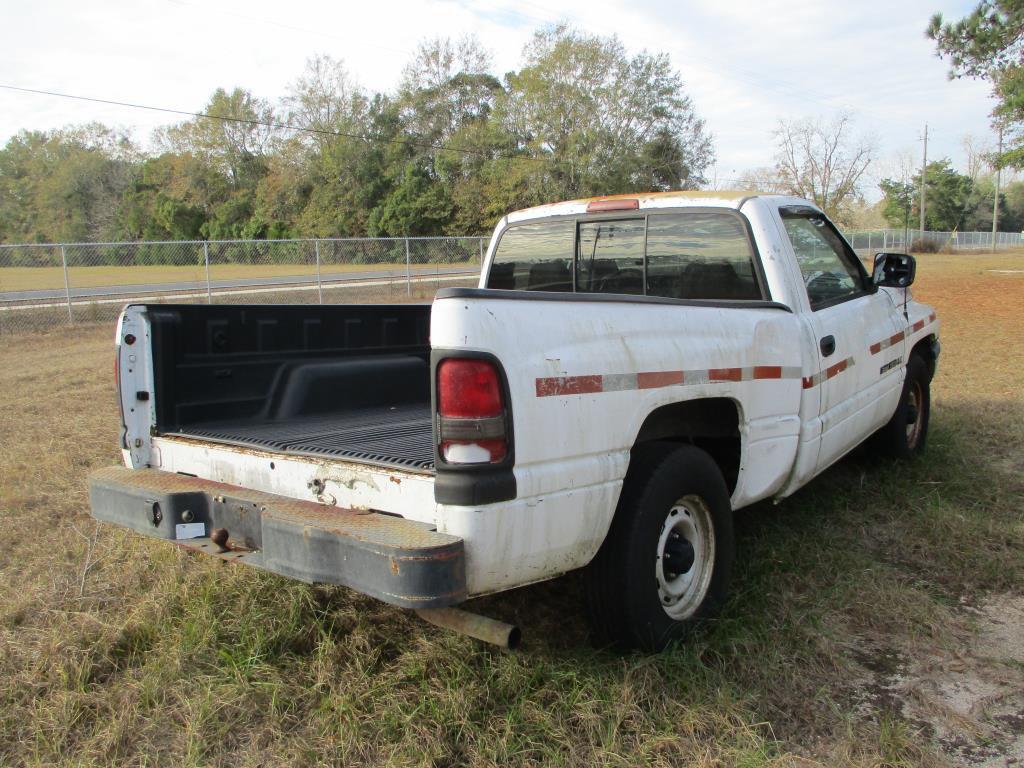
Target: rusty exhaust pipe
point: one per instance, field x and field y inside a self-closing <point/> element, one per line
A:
<point x="506" y="636"/>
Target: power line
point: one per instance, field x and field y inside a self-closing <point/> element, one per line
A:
<point x="275" y="125"/>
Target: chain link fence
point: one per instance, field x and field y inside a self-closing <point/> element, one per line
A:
<point x="42" y="286"/>
<point x="871" y="240"/>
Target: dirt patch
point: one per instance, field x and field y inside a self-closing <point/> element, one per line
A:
<point x="967" y="700"/>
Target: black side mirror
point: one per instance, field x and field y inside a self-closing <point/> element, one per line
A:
<point x="894" y="270"/>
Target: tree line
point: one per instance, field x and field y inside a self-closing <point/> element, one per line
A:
<point x="453" y="147"/>
<point x="954" y="201"/>
<point x="450" y="150"/>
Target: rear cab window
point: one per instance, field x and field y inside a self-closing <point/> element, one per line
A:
<point x="534" y="257"/>
<point x="697" y="254"/>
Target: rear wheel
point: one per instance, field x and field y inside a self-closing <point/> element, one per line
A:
<point x="666" y="561"/>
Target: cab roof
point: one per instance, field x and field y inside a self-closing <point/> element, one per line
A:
<point x="713" y="198"/>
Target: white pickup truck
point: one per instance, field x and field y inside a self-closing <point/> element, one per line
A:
<point x="630" y="370"/>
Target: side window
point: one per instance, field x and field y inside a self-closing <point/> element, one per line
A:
<point x="610" y="257"/>
<point x="831" y="272"/>
<point x="699" y="256"/>
<point x="534" y="257"/>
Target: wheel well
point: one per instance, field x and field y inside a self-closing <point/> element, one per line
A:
<point x="926" y="349"/>
<point x="711" y="424"/>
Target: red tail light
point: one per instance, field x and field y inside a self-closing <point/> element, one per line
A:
<point x="471" y="410"/>
<point x="468" y="389"/>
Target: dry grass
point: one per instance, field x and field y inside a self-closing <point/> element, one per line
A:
<point x="117" y="650"/>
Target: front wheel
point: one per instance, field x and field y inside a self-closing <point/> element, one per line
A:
<point x="666" y="561"/>
<point x="907" y="431"/>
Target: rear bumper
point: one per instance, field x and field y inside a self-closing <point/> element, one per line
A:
<point x="399" y="561"/>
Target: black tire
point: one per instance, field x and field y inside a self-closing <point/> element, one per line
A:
<point x="906" y="433"/>
<point x="630" y="591"/>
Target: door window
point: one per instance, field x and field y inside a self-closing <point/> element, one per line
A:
<point x="831" y="271"/>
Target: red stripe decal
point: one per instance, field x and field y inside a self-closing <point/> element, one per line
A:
<point x="918" y="325"/>
<point x="655" y="379"/>
<point x="931" y="318"/>
<point x="725" y="374"/>
<point x="833" y="370"/>
<point x="569" y="385"/>
<point x="896" y="338"/>
<point x="767" y="371"/>
<point x="584" y="385"/>
<point x="808" y="382"/>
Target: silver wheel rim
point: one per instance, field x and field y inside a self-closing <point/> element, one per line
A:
<point x="685" y="557"/>
<point x="914" y="400"/>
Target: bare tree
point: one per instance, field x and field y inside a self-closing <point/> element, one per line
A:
<point x="446" y="85"/>
<point x="820" y="161"/>
<point x="902" y="166"/>
<point x="979" y="155"/>
<point x="764" y="180"/>
<point x="439" y="59"/>
<point x="325" y="98"/>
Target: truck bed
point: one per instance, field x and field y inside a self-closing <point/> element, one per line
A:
<point x="344" y="382"/>
<point x="395" y="436"/>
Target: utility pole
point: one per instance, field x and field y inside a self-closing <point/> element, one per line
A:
<point x="995" y="203"/>
<point x="924" y="168"/>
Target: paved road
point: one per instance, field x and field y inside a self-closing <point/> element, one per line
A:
<point x="241" y="282"/>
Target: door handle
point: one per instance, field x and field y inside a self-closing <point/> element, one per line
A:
<point x="828" y="345"/>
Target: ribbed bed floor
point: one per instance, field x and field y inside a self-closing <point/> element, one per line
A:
<point x="399" y="437"/>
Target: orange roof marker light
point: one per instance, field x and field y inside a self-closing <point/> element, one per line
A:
<point x="629" y="204"/>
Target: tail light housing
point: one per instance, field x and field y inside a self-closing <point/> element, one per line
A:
<point x="472" y="423"/>
<point x="613" y="204"/>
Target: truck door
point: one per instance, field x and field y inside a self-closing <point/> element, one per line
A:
<point x="848" y="317"/>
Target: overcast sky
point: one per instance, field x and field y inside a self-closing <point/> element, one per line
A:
<point x="745" y="63"/>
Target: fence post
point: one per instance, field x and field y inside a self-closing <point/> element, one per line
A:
<point x="206" y="258"/>
<point x="67" y="283"/>
<point x="319" y="285"/>
<point x="481" y="252"/>
<point x="408" y="270"/>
